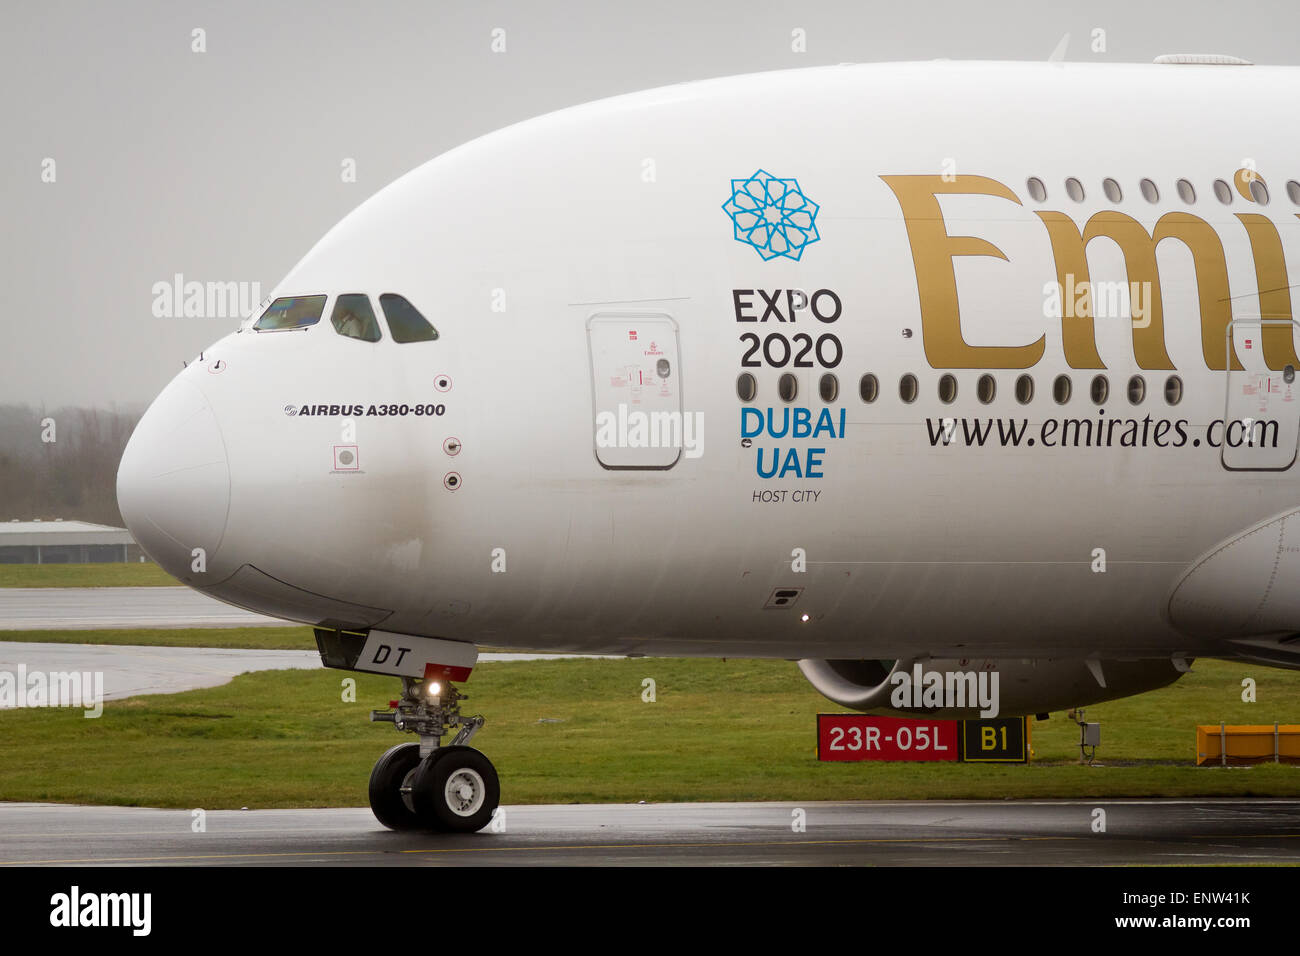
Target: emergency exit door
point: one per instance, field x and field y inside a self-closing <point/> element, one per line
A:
<point x="636" y="390"/>
<point x="1261" y="423"/>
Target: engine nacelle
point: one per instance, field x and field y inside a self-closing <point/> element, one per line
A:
<point x="1020" y="686"/>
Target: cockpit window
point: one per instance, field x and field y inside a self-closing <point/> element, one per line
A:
<point x="354" y="318"/>
<point x="405" y="321"/>
<point x="291" y="312"/>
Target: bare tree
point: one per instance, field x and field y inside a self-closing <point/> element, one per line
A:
<point x="75" y="475"/>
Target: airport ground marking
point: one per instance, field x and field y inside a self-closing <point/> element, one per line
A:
<point x="639" y="846"/>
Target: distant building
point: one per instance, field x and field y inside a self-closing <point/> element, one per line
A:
<point x="64" y="542"/>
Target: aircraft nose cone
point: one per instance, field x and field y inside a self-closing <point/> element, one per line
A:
<point x="173" y="485"/>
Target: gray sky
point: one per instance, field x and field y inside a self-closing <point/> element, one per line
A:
<point x="225" y="165"/>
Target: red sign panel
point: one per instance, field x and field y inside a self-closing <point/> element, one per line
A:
<point x="861" y="737"/>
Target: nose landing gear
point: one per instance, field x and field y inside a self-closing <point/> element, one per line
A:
<point x="426" y="786"/>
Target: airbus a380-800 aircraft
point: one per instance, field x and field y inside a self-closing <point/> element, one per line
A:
<point x="981" y="366"/>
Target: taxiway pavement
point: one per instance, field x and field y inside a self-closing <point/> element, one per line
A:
<point x="56" y="609"/>
<point x="917" y="833"/>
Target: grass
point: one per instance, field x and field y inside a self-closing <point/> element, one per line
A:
<point x="292" y="638"/>
<point x="120" y="574"/>
<point x="720" y="730"/>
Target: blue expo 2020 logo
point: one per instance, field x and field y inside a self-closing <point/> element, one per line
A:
<point x="772" y="215"/>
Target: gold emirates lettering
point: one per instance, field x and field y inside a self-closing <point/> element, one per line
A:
<point x="933" y="251"/>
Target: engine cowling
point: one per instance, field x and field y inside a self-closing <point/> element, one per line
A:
<point x="1021" y="686"/>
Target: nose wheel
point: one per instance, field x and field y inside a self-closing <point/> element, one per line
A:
<point x="423" y="786"/>
<point x="390" y="789"/>
<point x="455" y="789"/>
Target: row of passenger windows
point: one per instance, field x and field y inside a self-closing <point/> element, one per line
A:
<point x="1151" y="193"/>
<point x="986" y="389"/>
<point x="353" y="317"/>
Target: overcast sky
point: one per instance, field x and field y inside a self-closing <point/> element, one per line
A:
<point x="224" y="166"/>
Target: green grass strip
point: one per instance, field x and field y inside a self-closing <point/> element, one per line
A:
<point x="577" y="731"/>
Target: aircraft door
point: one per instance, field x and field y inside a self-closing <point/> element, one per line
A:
<point x="636" y="390"/>
<point x="1261" y="422"/>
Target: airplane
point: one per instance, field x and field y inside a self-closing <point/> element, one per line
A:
<point x="985" y="366"/>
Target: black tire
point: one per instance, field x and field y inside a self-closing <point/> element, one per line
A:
<point x="471" y="770"/>
<point x="386" y="788"/>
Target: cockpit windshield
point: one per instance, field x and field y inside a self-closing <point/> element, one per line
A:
<point x="405" y="321"/>
<point x="291" y="312"/>
<point x="354" y="318"/>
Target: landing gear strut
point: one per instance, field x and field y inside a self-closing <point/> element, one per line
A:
<point x="427" y="786"/>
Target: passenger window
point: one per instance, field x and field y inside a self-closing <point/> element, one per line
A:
<point x="829" y="387"/>
<point x="405" y="321"/>
<point x="746" y="387"/>
<point x="291" y="312"/>
<point x="1173" y="390"/>
<point x="354" y="318"/>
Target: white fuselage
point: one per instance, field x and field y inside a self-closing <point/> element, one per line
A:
<point x="536" y="251"/>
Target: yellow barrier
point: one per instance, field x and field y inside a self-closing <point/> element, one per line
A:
<point x="1248" y="743"/>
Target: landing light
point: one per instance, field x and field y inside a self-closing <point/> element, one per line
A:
<point x="804" y="618"/>
<point x="433" y="688"/>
